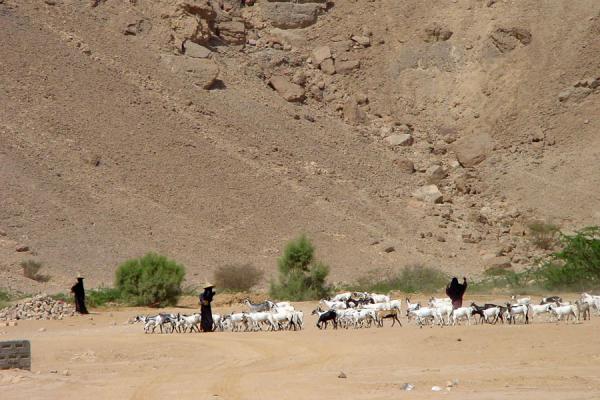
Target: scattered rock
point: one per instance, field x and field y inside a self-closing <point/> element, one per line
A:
<point x="364" y="41"/>
<point x="353" y="113"/>
<point x="501" y="262"/>
<point x="342" y="375"/>
<point x="66" y="372"/>
<point x="137" y="27"/>
<point x="200" y="72"/>
<point x="22" y="248"/>
<point x="50" y="2"/>
<point x="40" y="307"/>
<point x="389" y="249"/>
<point x="507" y="39"/>
<point x="402" y="139"/>
<point x="436" y="389"/>
<point x="408" y="387"/>
<point x="429" y="194"/>
<point x="42" y="330"/>
<point x="286" y="89"/>
<point x="328" y="67"/>
<point x="291" y="15"/>
<point x="473" y="149"/>
<point x="405" y="165"/>
<point x="195" y="50"/>
<point x="345" y="67"/>
<point x="437" y="33"/>
<point x="320" y="54"/>
<point x="232" y="32"/>
<point x="287" y="37"/>
<point x="435" y="174"/>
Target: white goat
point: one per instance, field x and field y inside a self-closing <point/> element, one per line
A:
<point x="259" y="319"/>
<point x="539" y="309"/>
<point x="513" y="310"/>
<point x="561" y="311"/>
<point x="462" y="312"/>
<point x="380" y="298"/>
<point x="334" y="305"/>
<point x="522" y="301"/>
<point x="342" y="297"/>
<point x="424" y="314"/>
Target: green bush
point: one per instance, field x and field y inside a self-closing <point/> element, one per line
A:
<point x="5" y="297"/>
<point x="102" y="296"/>
<point x="410" y="279"/>
<point x="544" y="235"/>
<point x="152" y="280"/>
<point x="300" y="276"/>
<point x="577" y="265"/>
<point x="237" y="277"/>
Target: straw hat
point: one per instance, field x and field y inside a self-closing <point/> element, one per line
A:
<point x="208" y="285"/>
<point x="79" y="276"/>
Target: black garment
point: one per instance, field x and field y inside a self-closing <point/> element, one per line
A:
<point x="206" y="319"/>
<point x="455" y="291"/>
<point x="79" y="293"/>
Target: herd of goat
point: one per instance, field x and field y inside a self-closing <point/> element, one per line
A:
<point x="365" y="310"/>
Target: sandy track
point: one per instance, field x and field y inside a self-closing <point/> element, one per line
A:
<point x="108" y="359"/>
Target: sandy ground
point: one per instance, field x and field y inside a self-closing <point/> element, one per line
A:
<point x="107" y="358"/>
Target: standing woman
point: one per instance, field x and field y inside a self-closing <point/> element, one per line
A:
<point x="456" y="291"/>
<point x="79" y="293"/>
<point x="206" y="319"/>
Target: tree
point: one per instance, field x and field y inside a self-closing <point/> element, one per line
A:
<point x="152" y="280"/>
<point x="300" y="276"/>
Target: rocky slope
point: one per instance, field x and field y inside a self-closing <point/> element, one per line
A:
<point x="392" y="132"/>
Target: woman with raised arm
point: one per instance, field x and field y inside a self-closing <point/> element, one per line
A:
<point x="456" y="291"/>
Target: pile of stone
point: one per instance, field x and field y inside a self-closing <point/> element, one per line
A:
<point x="41" y="307"/>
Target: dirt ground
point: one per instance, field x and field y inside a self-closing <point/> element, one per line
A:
<point x="107" y="358"/>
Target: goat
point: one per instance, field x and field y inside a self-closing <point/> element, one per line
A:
<point x="379" y="298"/>
<point x="353" y="303"/>
<point x="259" y="307"/>
<point x="411" y="307"/>
<point x="424" y="314"/>
<point x="583" y="308"/>
<point x="325" y="317"/>
<point x="539" y="309"/>
<point x="188" y="321"/>
<point x="512" y="310"/>
<point x="342" y="297"/>
<point x="237" y="321"/>
<point x="561" y="311"/>
<point x="521" y="301"/>
<point x="258" y="319"/>
<point x="462" y="312"/>
<point x="551" y="299"/>
<point x="334" y="305"/>
<point x="443" y="308"/>
<point x="394" y="314"/>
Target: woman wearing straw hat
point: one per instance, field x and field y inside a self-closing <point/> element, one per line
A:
<point x="206" y="319"/>
<point x="79" y="293"/>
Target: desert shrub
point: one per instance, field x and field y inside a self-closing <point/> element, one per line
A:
<point x="5" y="297"/>
<point x="102" y="296"/>
<point x="300" y="276"/>
<point x="152" y="280"/>
<point x="410" y="279"/>
<point x="31" y="269"/>
<point x="63" y="297"/>
<point x="577" y="265"/>
<point x="237" y="277"/>
<point x="544" y="235"/>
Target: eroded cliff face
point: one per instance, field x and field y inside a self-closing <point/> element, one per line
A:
<point x="392" y="132"/>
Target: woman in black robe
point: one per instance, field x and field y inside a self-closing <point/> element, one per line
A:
<point x="455" y="291"/>
<point x="206" y="319"/>
<point x="79" y="293"/>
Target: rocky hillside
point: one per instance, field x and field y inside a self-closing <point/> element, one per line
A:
<point x="392" y="132"/>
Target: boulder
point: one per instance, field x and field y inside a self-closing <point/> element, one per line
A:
<point x="401" y="139"/>
<point x="291" y="15"/>
<point x="429" y="194"/>
<point x="328" y="67"/>
<point x="195" y="50"/>
<point x="320" y="54"/>
<point x="199" y="72"/>
<point x="435" y="174"/>
<point x="507" y="39"/>
<point x="364" y="41"/>
<point x="232" y="32"/>
<point x="437" y="33"/>
<point x="287" y="37"/>
<point x="473" y="149"/>
<point x="404" y="165"/>
<point x="286" y="89"/>
<point x="353" y="113"/>
<point x="498" y="262"/>
<point x="344" y="67"/>
<point x="21" y="248"/>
